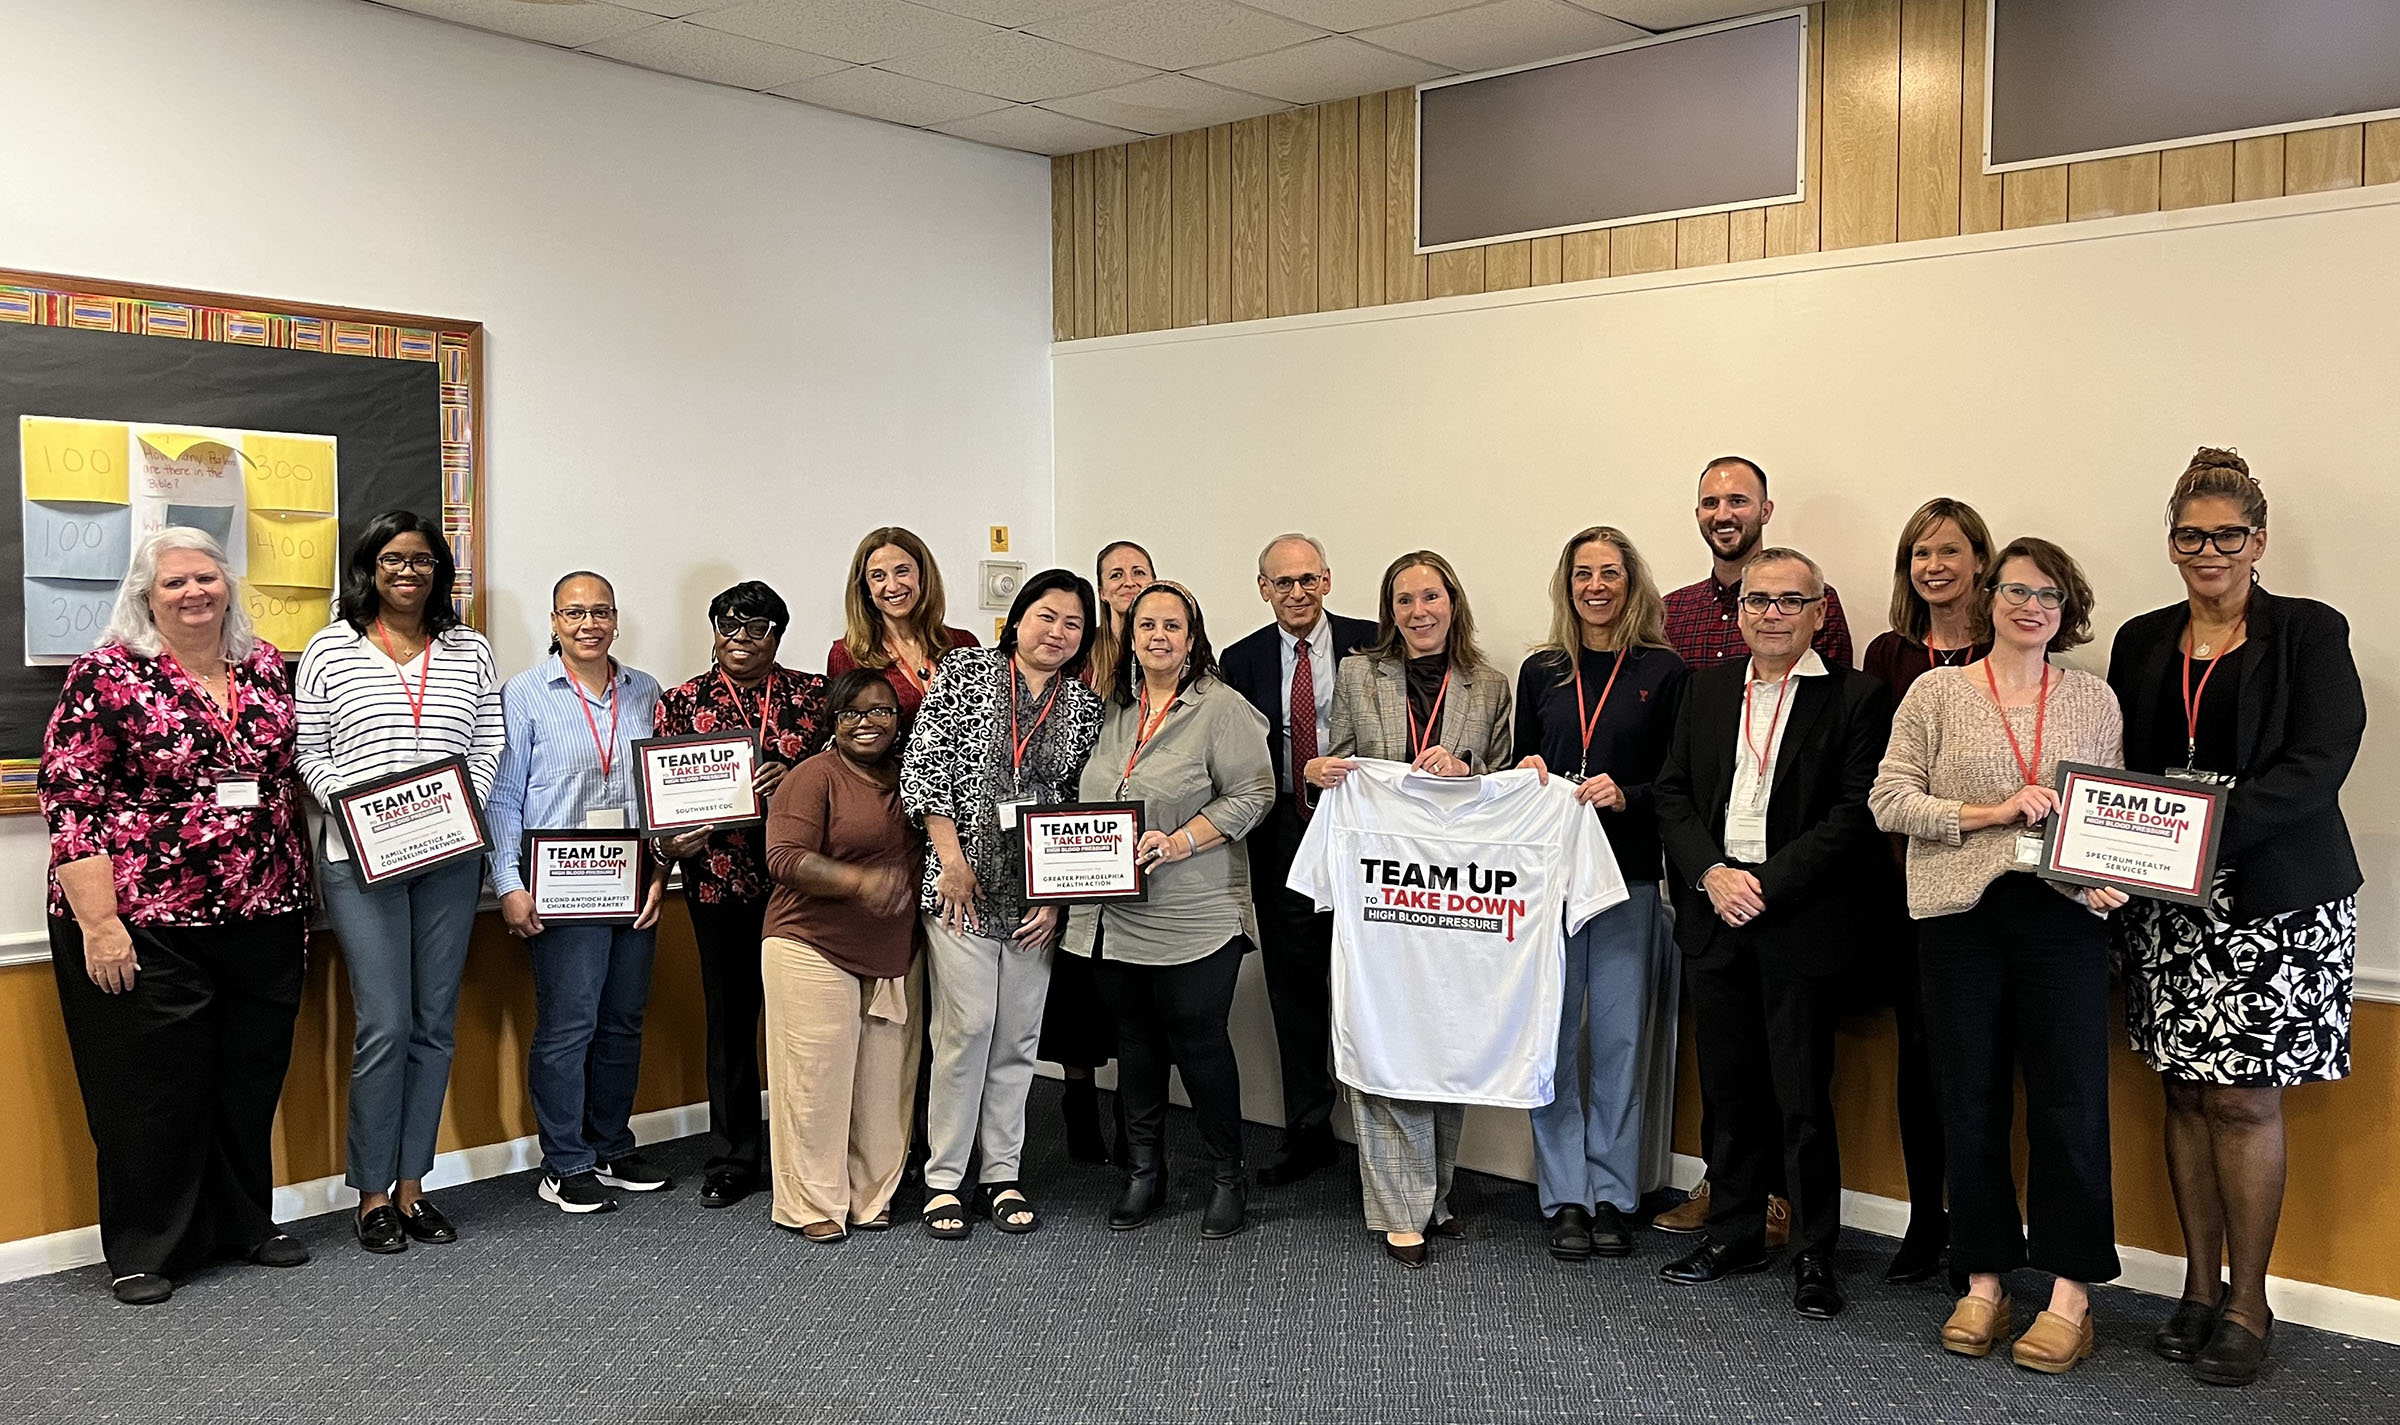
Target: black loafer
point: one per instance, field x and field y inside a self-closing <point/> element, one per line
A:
<point x="1571" y="1234"/>
<point x="1815" y="1291"/>
<point x="1711" y="1260"/>
<point x="142" y="1289"/>
<point x="1612" y="1235"/>
<point x="381" y="1231"/>
<point x="2233" y="1356"/>
<point x="726" y="1186"/>
<point x="425" y="1222"/>
<point x="2187" y="1331"/>
<point x="1920" y="1254"/>
<point x="280" y="1250"/>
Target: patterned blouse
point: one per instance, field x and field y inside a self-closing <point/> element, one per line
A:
<point x="733" y="865"/>
<point x="130" y="768"/>
<point x="960" y="764"/>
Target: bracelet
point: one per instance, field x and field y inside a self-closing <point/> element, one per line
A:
<point x="1191" y="843"/>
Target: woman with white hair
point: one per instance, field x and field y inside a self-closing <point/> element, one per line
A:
<point x="178" y="914"/>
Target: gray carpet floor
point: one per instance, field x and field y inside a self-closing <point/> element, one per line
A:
<point x="665" y="1312"/>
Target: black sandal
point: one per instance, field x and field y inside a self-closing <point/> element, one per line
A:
<point x="938" y="1212"/>
<point x="1002" y="1201"/>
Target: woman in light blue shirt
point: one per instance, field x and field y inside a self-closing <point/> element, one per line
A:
<point x="572" y="721"/>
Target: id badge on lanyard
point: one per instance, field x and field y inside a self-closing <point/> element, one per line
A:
<point x="2029" y="848"/>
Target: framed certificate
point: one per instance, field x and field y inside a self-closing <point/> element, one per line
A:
<point x="422" y="818"/>
<point x="586" y="876"/>
<point x="1082" y="852"/>
<point x="706" y="779"/>
<point x="2145" y="835"/>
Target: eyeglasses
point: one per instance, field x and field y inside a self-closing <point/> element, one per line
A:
<point x="757" y="630"/>
<point x="413" y="563"/>
<point x="1305" y="583"/>
<point x="2018" y="595"/>
<point x="599" y="613"/>
<point x="2232" y="539"/>
<point x="847" y="716"/>
<point x="1787" y="604"/>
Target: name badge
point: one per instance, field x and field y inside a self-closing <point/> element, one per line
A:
<point x="1745" y="826"/>
<point x="2029" y="848"/>
<point x="2202" y="778"/>
<point x="237" y="794"/>
<point x="1008" y="807"/>
<point x="605" y="819"/>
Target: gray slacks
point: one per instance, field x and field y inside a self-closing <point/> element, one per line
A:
<point x="986" y="1018"/>
<point x="1407" y="1152"/>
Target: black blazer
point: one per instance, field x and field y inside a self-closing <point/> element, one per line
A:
<point x="1253" y="667"/>
<point x="1828" y="873"/>
<point x="2302" y="716"/>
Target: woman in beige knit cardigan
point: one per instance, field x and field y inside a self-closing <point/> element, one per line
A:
<point x="2015" y="969"/>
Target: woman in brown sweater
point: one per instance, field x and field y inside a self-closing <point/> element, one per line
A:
<point x="843" y="985"/>
<point x="2015" y="970"/>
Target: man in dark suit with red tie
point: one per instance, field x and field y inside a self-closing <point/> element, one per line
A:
<point x="1286" y="671"/>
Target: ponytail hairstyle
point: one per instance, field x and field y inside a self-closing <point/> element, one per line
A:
<point x="2222" y="474"/>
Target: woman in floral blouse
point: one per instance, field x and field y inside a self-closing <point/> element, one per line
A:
<point x="725" y="884"/>
<point x="178" y="914"/>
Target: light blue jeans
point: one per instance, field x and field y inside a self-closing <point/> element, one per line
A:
<point x="1587" y="1142"/>
<point x="591" y="986"/>
<point x="405" y="946"/>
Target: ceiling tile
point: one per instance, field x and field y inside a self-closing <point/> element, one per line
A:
<point x="1503" y="33"/>
<point x="1036" y="131"/>
<point x="667" y="9"/>
<point x="572" y="22"/>
<point x="861" y="31"/>
<point x="1012" y="13"/>
<point x="715" y="56"/>
<point x="1164" y="104"/>
<point x="1177" y="34"/>
<point x="1669" y="14"/>
<point x="1336" y="67"/>
<point x="1019" y="66"/>
<point x="1342" y="14"/>
<point x="893" y="98"/>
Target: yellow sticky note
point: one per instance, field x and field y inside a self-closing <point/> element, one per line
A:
<point x="287" y="618"/>
<point x="175" y="444"/>
<point x="289" y="472"/>
<point x="74" y="461"/>
<point x="292" y="551"/>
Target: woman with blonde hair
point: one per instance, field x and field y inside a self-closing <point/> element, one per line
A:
<point x="1121" y="572"/>
<point x="893" y="613"/>
<point x="1596" y="704"/>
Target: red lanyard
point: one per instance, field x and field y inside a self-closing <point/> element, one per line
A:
<point x="2191" y="705"/>
<point x="416" y="700"/>
<point x="224" y="722"/>
<point x="607" y="750"/>
<point x="1421" y="737"/>
<point x="2041" y="710"/>
<point x="1143" y="730"/>
<point x="765" y="692"/>
<point x="1781" y="689"/>
<point x="1591" y="721"/>
<point x="1018" y="745"/>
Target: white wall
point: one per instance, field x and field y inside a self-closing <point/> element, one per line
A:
<point x="725" y="334"/>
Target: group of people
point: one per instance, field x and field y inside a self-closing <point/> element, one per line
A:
<point x="1785" y="827"/>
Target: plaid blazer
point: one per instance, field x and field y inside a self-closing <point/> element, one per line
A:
<point x="1370" y="713"/>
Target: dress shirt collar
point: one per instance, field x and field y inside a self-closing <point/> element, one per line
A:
<point x="1319" y="638"/>
<point x="555" y="672"/>
<point x="1809" y="666"/>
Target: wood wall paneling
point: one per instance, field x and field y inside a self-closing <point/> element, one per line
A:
<point x="1932" y="77"/>
<point x="2258" y="168"/>
<point x="1549" y="260"/>
<point x="1584" y="256"/>
<point x="1291" y="212"/>
<point x="1249" y="219"/>
<point x="1404" y="268"/>
<point x="1220" y="223"/>
<point x="1981" y="195"/>
<point x="1507" y="265"/>
<point x="1189" y="217"/>
<point x="2031" y="197"/>
<point x="1108" y="241"/>
<point x="1703" y="241"/>
<point x="1862" y="123"/>
<point x="2321" y="160"/>
<point x="1062" y="249"/>
<point x="2383" y="151"/>
<point x="1793" y="227"/>
<point x="1150" y="235"/>
<point x="2111" y="187"/>
<point x="1087" y="258"/>
<point x="1455" y="273"/>
<point x="1746" y="234"/>
<point x="1642" y="247"/>
<point x="2196" y="176"/>
<point x="1337" y="205"/>
<point x="1374" y="198"/>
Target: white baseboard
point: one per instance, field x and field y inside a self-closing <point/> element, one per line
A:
<point x="80" y="1246"/>
<point x="2328" y="1308"/>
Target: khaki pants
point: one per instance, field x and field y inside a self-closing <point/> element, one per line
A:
<point x="841" y="1064"/>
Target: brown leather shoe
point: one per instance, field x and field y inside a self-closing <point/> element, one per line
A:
<point x="1692" y="1216"/>
<point x="2053" y="1344"/>
<point x="1779" y="1224"/>
<point x="1976" y="1325"/>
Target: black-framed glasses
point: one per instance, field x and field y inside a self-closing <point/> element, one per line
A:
<point x="757" y="630"/>
<point x="411" y="563"/>
<point x="1305" y="583"/>
<point x="884" y="714"/>
<point x="1789" y="605"/>
<point x="2190" y="539"/>
<point x="598" y="613"/>
<point x="2019" y="595"/>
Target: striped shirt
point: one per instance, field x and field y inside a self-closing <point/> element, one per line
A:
<point x="550" y="775"/>
<point x="358" y="723"/>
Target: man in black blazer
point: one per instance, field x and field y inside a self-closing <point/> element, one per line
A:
<point x="1297" y="948"/>
<point x="1762" y="805"/>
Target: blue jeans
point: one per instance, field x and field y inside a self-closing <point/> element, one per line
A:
<point x="405" y="945"/>
<point x="1587" y="1142"/>
<point x="590" y="986"/>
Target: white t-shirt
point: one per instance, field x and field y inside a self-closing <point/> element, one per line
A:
<point x="1449" y="942"/>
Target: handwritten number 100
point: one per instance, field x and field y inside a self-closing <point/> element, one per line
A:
<point x="74" y="462"/>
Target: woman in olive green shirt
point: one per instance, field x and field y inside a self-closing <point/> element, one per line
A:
<point x="1193" y="752"/>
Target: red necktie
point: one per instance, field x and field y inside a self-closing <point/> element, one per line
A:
<point x="1301" y="720"/>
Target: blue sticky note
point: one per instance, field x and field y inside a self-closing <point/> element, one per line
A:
<point x="216" y="519"/>
<point x="65" y="617"/>
<point x="78" y="541"/>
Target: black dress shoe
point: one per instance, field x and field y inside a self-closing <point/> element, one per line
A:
<point x="425" y="1222"/>
<point x="1301" y="1156"/>
<point x="1225" y="1215"/>
<point x="1815" y="1291"/>
<point x="726" y="1186"/>
<point x="280" y="1250"/>
<point x="1711" y="1260"/>
<point x="2187" y="1331"/>
<point x="2233" y="1356"/>
<point x="1411" y="1256"/>
<point x="1920" y="1254"/>
<point x="142" y="1289"/>
<point x="1571" y="1234"/>
<point x="381" y="1231"/>
<point x="1612" y="1235"/>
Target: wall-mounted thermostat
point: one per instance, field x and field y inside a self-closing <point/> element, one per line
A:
<point x="1000" y="579"/>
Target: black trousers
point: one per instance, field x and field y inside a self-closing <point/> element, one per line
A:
<point x="727" y="935"/>
<point x="1918" y="1102"/>
<point x="1176" y="1015"/>
<point x="2019" y="983"/>
<point x="180" y="1076"/>
<point x="1766" y="1068"/>
<point x="1296" y="952"/>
